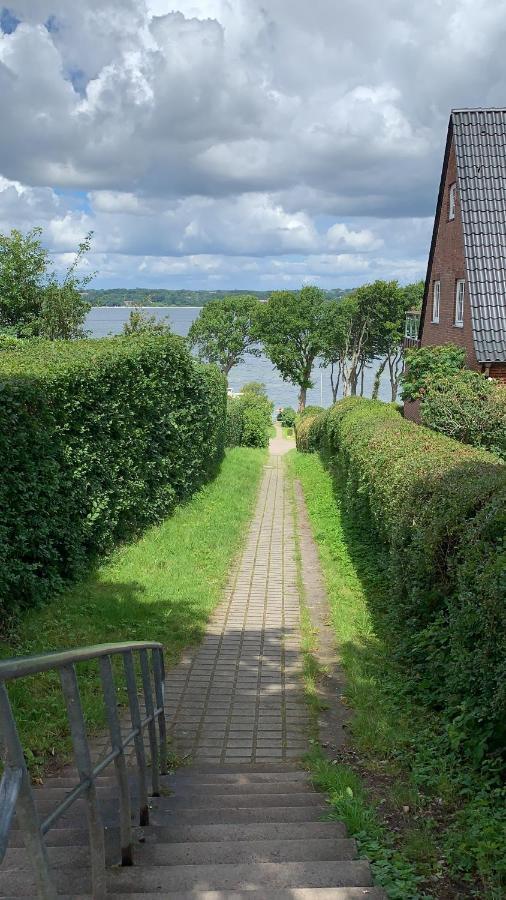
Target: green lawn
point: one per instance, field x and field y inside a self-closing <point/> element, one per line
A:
<point x="415" y="810"/>
<point x="161" y="587"/>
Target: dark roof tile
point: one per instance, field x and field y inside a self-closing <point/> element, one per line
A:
<point x="480" y="149"/>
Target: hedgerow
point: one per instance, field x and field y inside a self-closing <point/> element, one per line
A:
<point x="249" y="418"/>
<point x="439" y="507"/>
<point x="97" y="439"/>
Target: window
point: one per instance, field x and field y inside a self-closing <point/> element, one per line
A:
<point x="453" y="195"/>
<point x="436" y="297"/>
<point x="459" y="303"/>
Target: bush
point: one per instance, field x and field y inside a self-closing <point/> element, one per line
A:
<point x="307" y="434"/>
<point x="287" y="417"/>
<point x="98" y="439"/>
<point x="249" y="418"/>
<point x="468" y="407"/>
<point x="439" y="507"/>
<point x="430" y="364"/>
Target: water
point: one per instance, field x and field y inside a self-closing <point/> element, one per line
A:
<point x="108" y="320"/>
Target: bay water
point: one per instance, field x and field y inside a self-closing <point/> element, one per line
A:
<point x="104" y="321"/>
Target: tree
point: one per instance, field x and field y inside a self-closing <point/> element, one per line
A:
<point x="141" y="323"/>
<point x="223" y="332"/>
<point x="32" y="300"/>
<point x="333" y="342"/>
<point x="290" y="328"/>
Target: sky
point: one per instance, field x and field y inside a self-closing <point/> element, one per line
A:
<point x="259" y="144"/>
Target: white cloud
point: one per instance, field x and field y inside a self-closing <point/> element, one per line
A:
<point x="180" y="128"/>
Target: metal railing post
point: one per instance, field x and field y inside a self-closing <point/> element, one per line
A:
<point x="159" y="676"/>
<point x="125" y="811"/>
<point x="26" y="809"/>
<point x="135" y="714"/>
<point x="150" y="711"/>
<point x="82" y="758"/>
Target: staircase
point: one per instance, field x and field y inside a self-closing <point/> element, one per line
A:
<point x="216" y="833"/>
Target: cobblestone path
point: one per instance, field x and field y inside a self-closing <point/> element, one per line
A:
<point x="238" y="696"/>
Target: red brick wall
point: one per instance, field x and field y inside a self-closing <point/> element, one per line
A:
<point x="498" y="371"/>
<point x="448" y="266"/>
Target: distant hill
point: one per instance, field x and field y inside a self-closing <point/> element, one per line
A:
<point x="163" y="297"/>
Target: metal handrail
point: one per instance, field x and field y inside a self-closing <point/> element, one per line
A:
<point x="15" y="787"/>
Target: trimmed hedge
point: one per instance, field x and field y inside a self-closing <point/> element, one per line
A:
<point x="249" y="418"/>
<point x="439" y="507"/>
<point x="98" y="439"/>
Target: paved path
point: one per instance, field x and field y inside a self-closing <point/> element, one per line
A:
<point x="238" y="697"/>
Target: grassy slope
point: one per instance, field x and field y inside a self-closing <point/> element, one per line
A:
<point x="162" y="587"/>
<point x="402" y="792"/>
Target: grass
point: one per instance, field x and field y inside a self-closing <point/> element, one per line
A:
<point x="161" y="587"/>
<point x="426" y="822"/>
<point x="288" y="433"/>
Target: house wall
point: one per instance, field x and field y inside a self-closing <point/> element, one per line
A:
<point x="498" y="371"/>
<point x="448" y="265"/>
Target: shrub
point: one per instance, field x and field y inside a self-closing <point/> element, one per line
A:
<point x="438" y="506"/>
<point x="98" y="439"/>
<point x="468" y="407"/>
<point x="249" y="419"/>
<point x="307" y="434"/>
<point x="430" y="364"/>
<point x="287" y="417"/>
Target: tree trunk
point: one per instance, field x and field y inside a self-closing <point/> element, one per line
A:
<point x="335" y="384"/>
<point x="302" y="399"/>
<point x="362" y="372"/>
<point x="377" y="379"/>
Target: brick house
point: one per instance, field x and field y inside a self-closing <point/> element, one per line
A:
<point x="465" y="289"/>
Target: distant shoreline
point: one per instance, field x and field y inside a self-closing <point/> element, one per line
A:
<point x="155" y="306"/>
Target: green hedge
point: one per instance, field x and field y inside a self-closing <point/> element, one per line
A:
<point x="98" y="439"/>
<point x="439" y="507"/>
<point x="249" y="418"/>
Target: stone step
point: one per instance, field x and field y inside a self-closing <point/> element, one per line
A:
<point x="205" y="853"/>
<point x="231" y="800"/>
<point x="340" y="893"/>
<point x="72" y="837"/>
<point x="226" y="877"/>
<point x="54" y="794"/>
<point x="190" y="776"/>
<point x="244" y="816"/>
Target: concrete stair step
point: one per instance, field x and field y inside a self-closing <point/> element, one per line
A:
<point x="72" y="837"/>
<point x="334" y="893"/>
<point x="231" y="800"/>
<point x="190" y="776"/>
<point x="243" y="877"/>
<point x="244" y="816"/>
<point x="206" y="853"/>
<point x="54" y="794"/>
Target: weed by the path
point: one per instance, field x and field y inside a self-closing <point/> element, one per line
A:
<point x="161" y="587"/>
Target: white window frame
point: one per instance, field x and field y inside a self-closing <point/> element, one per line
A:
<point x="452" y="201"/>
<point x="436" y="302"/>
<point x="460" y="293"/>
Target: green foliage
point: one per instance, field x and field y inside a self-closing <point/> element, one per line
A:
<point x="287" y="417"/>
<point x="139" y="322"/>
<point x="223" y="332"/>
<point x="32" y="300"/>
<point x="430" y="364"/>
<point x="455" y="823"/>
<point x="98" y="439"/>
<point x="163" y="297"/>
<point x="436" y="504"/>
<point x="289" y="327"/>
<point x="249" y="417"/>
<point x="164" y="586"/>
<point x="307" y="434"/>
<point x="468" y="407"/>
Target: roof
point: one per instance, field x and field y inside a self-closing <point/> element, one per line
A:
<point x="479" y="137"/>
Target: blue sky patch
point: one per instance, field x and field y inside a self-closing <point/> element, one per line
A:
<point x="8" y="21"/>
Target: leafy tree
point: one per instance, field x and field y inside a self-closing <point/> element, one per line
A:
<point x="333" y="341"/>
<point x="290" y="328"/>
<point x="223" y="332"/>
<point x="430" y="364"/>
<point x="255" y="387"/>
<point x="140" y="322"/>
<point x="32" y="300"/>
